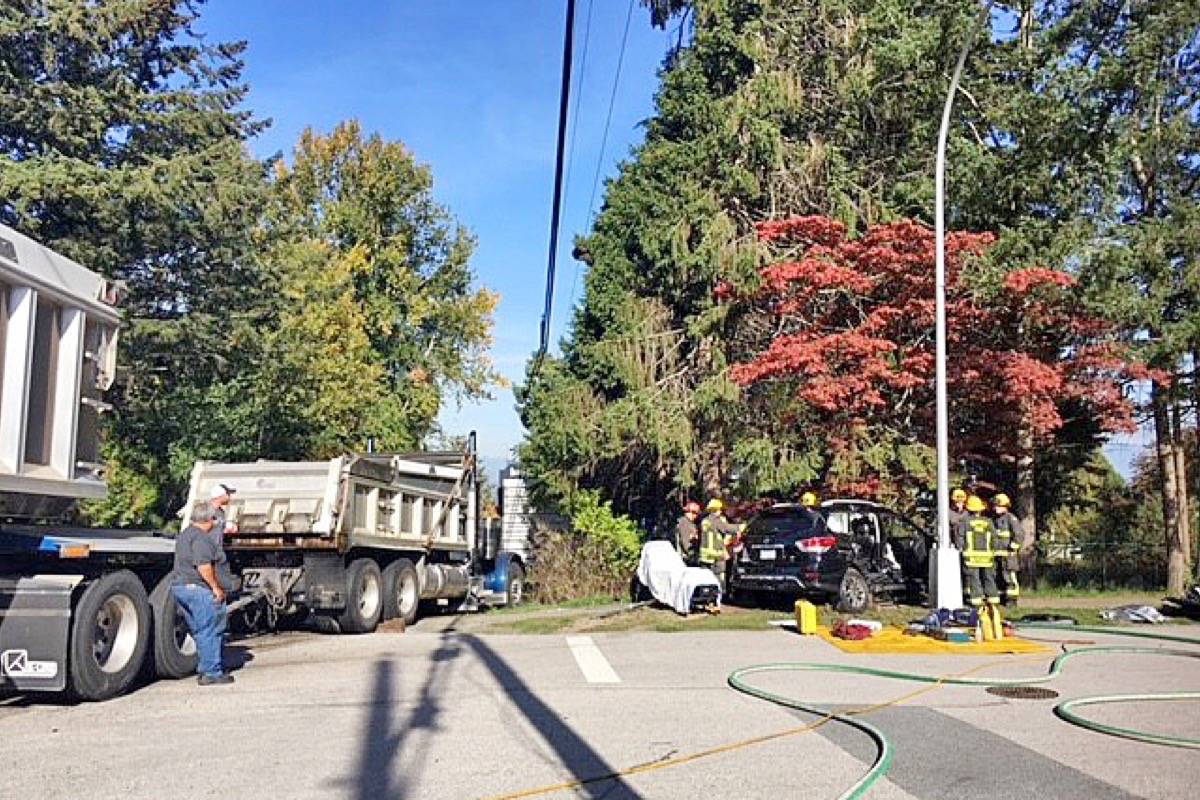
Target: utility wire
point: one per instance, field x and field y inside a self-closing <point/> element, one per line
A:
<point x="587" y="37"/>
<point x="608" y="119"/>
<point x="564" y="104"/>
<point x="612" y="97"/>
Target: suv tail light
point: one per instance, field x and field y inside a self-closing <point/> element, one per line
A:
<point x="817" y="544"/>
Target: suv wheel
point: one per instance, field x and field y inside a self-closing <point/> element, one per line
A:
<point x="854" y="594"/>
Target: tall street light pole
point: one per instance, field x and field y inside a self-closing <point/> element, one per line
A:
<point x="945" y="575"/>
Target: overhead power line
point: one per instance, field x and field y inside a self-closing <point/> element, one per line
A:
<point x="604" y="139"/>
<point x="564" y="103"/>
<point x="612" y="98"/>
<point x="574" y="134"/>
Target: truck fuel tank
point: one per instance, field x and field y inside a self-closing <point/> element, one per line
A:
<point x="445" y="580"/>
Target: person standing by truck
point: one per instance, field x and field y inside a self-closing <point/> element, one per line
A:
<point x="715" y="532"/>
<point x="686" y="532"/>
<point x="197" y="589"/>
<point x="219" y="498"/>
<point x="958" y="516"/>
<point x="1010" y="538"/>
<point x="979" y="555"/>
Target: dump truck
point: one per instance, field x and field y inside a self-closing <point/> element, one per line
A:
<point x="361" y="538"/>
<point x="355" y="539"/>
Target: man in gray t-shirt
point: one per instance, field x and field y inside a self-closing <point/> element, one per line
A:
<point x="197" y="588"/>
<point x="195" y="546"/>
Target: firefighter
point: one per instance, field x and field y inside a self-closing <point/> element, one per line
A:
<point x="958" y="516"/>
<point x="687" y="535"/>
<point x="1010" y="538"/>
<point x="715" y="533"/>
<point x="979" y="561"/>
<point x="810" y="501"/>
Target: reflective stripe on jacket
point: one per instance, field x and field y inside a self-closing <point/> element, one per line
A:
<point x="980" y="547"/>
<point x="713" y="530"/>
<point x="1010" y="534"/>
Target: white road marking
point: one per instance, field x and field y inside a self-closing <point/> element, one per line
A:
<point x="591" y="661"/>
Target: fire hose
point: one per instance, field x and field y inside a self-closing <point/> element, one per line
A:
<point x="884" y="748"/>
<point x="1065" y="710"/>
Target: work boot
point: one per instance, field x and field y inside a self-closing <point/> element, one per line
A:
<point x="215" y="680"/>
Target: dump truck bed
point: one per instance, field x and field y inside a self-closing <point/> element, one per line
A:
<point x="408" y="501"/>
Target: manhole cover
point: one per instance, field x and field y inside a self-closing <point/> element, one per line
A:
<point x="1023" y="692"/>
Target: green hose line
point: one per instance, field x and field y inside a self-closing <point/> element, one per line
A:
<point x="1065" y="712"/>
<point x="1162" y="637"/>
<point x="883" y="759"/>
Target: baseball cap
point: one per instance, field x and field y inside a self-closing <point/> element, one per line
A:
<point x="220" y="490"/>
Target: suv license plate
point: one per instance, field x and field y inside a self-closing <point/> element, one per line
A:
<point x="766" y="555"/>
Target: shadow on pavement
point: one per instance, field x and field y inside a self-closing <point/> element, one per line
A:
<point x="237" y="656"/>
<point x="572" y="749"/>
<point x="385" y="738"/>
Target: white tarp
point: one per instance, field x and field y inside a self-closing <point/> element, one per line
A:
<point x="672" y="582"/>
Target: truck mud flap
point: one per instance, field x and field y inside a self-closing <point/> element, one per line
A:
<point x="35" y="623"/>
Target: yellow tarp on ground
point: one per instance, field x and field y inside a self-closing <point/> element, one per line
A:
<point x="894" y="641"/>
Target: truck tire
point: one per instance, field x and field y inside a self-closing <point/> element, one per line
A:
<point x="175" y="654"/>
<point x="110" y="634"/>
<point x="854" y="594"/>
<point x="364" y="597"/>
<point x="515" y="594"/>
<point x="401" y="593"/>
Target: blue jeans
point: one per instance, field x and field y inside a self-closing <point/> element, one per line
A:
<point x="207" y="620"/>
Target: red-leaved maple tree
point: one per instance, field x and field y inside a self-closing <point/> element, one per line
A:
<point x="851" y="336"/>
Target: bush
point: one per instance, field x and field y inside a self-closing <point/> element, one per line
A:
<point x="596" y="557"/>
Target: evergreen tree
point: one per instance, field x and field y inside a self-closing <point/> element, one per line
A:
<point x="122" y="145"/>
<point x="776" y="107"/>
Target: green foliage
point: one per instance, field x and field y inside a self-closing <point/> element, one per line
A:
<point x="123" y="147"/>
<point x="132" y="497"/>
<point x="289" y="315"/>
<point x="773" y="108"/>
<point x="377" y="322"/>
<point x="597" y="557"/>
<point x="618" y="537"/>
<point x="1074" y="137"/>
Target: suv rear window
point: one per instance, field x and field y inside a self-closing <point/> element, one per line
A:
<point x="785" y="522"/>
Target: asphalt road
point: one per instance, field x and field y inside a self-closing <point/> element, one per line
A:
<point x="437" y="712"/>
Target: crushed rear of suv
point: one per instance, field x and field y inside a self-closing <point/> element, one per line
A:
<point x="854" y="550"/>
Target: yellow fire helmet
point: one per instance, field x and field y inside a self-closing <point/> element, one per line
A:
<point x="715" y="505"/>
<point x="1001" y="499"/>
<point x="809" y="500"/>
<point x="958" y="496"/>
<point x="975" y="505"/>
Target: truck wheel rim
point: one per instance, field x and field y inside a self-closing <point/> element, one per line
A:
<point x="408" y="595"/>
<point x="368" y="596"/>
<point x="184" y="642"/>
<point x="115" y="634"/>
<point x="516" y="589"/>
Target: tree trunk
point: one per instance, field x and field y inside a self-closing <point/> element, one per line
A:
<point x="1025" y="507"/>
<point x="1165" y="450"/>
<point x="1181" y="481"/>
<point x="1026" y="25"/>
<point x="1196" y="412"/>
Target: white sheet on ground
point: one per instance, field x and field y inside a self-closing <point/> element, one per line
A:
<point x="672" y="582"/>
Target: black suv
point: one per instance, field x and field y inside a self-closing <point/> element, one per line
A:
<point x="851" y="549"/>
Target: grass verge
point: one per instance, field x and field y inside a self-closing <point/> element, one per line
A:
<point x="582" y="602"/>
<point x="584" y="616"/>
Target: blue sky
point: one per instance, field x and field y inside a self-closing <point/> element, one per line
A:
<point x="471" y="86"/>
